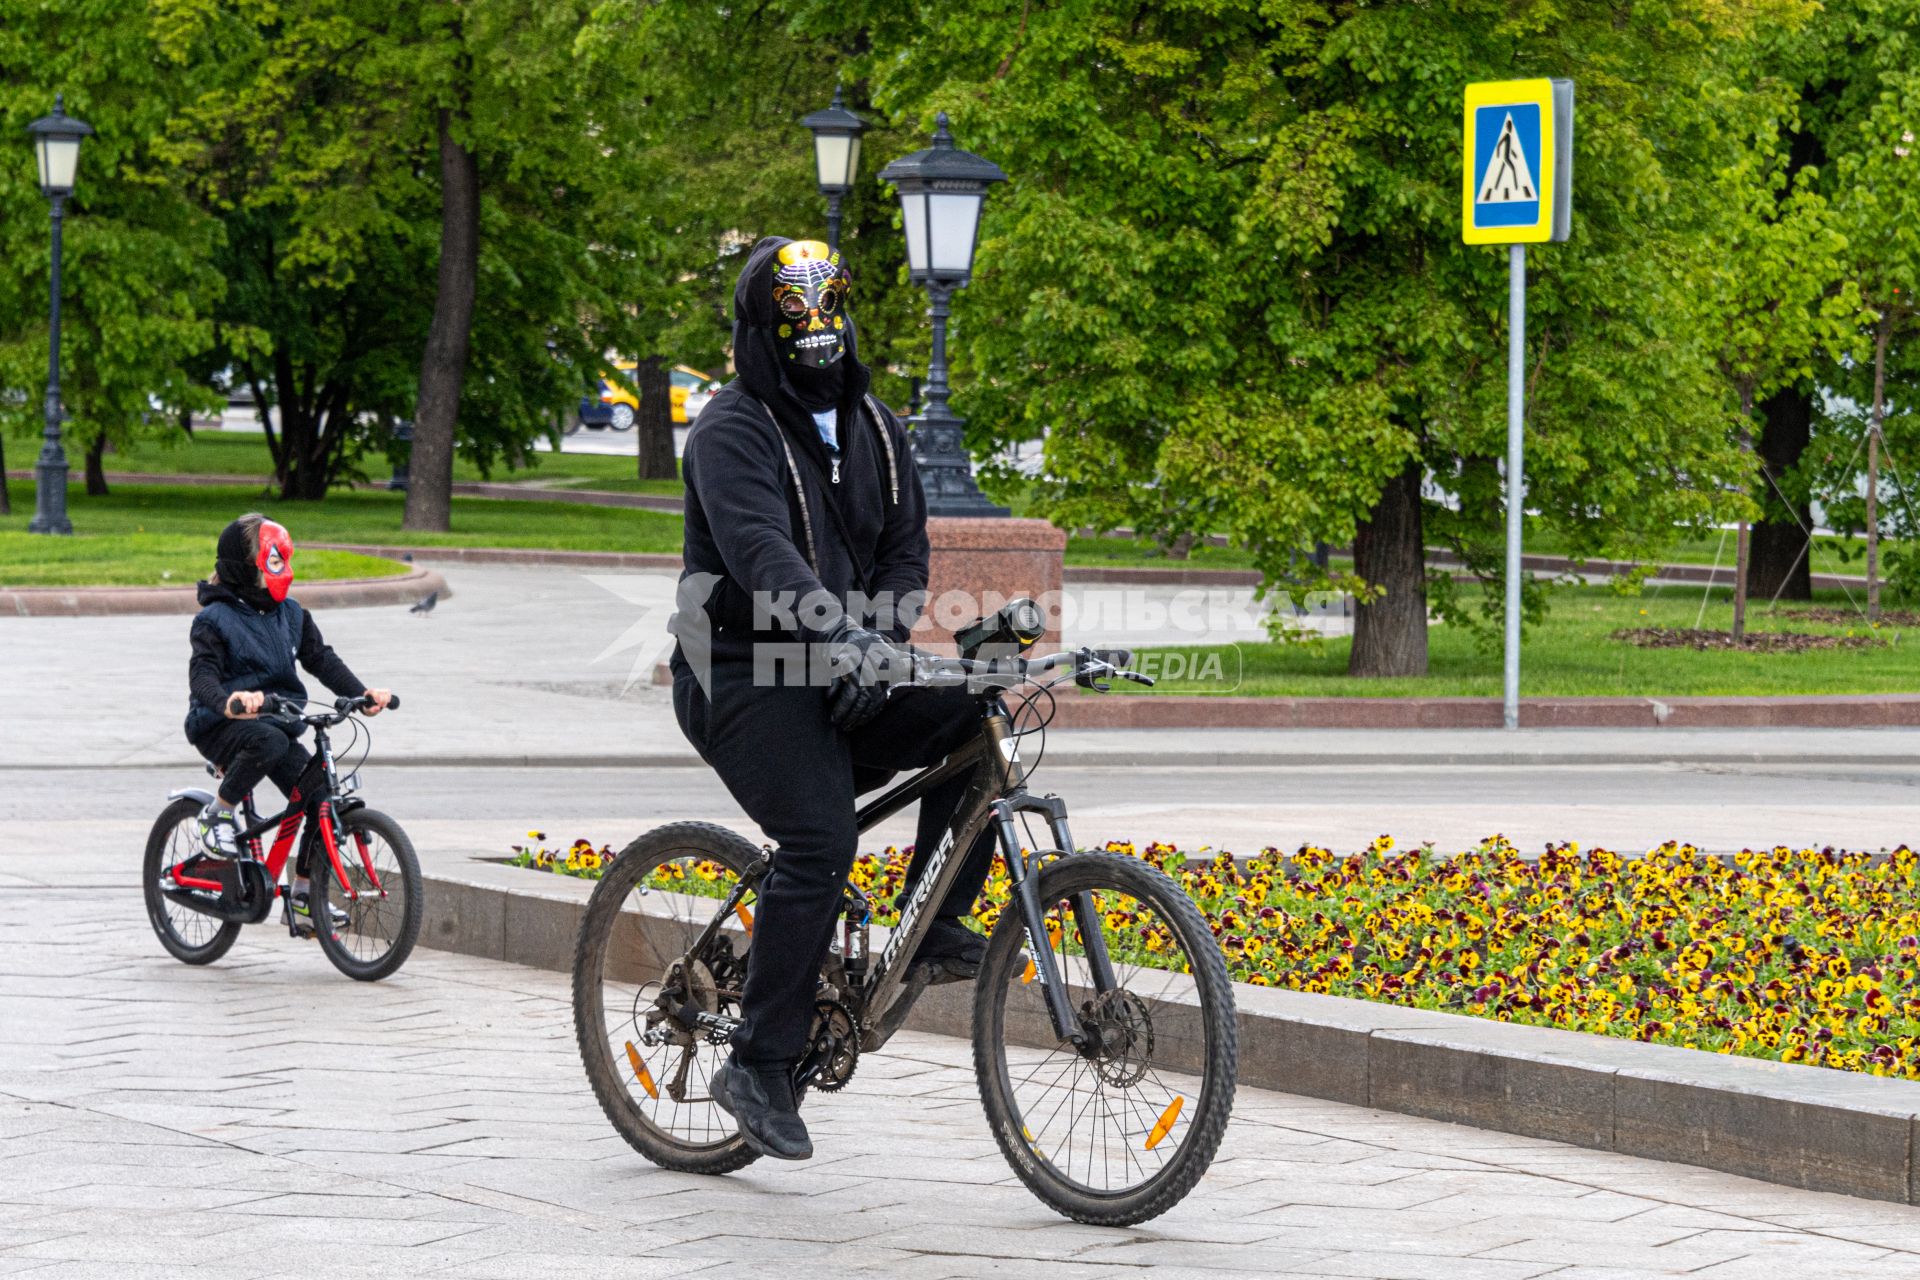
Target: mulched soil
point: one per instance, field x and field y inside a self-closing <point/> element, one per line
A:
<point x="1853" y="617"/>
<point x="1752" y="642"/>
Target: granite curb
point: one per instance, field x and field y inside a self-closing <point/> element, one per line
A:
<point x="1799" y="1126"/>
<point x="99" y="602"/>
<point x="1174" y="711"/>
<point x="461" y="488"/>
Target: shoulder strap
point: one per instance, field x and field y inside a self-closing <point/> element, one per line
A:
<point x="799" y="487"/>
<point x="879" y="420"/>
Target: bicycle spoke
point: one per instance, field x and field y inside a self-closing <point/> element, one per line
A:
<point x="673" y="899"/>
<point x="1120" y="1110"/>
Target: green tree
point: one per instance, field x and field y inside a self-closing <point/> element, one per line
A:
<point x="1227" y="279"/>
<point x="1771" y="278"/>
<point x="427" y="214"/>
<point x="1879" y="202"/>
<point x="139" y="286"/>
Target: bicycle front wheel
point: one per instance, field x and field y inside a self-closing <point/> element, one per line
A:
<point x="1118" y="1131"/>
<point x="368" y="926"/>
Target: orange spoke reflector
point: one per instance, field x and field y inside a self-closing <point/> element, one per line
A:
<point x="1162" y="1127"/>
<point x="746" y="916"/>
<point x="1031" y="972"/>
<point x="646" y="1077"/>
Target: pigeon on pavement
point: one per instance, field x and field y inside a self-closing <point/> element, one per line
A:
<point x="426" y="603"/>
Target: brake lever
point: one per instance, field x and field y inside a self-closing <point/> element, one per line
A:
<point x="1136" y="677"/>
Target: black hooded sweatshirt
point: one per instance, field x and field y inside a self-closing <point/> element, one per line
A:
<point x="744" y="522"/>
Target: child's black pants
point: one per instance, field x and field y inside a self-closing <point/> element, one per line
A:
<point x="249" y="750"/>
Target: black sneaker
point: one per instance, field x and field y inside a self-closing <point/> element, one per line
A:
<point x="219" y="830"/>
<point x="762" y="1100"/>
<point x="951" y="952"/>
<point x="302" y="914"/>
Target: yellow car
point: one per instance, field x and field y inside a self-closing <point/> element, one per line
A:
<point x="617" y="406"/>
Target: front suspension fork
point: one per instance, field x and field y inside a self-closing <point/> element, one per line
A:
<point x="1025" y="884"/>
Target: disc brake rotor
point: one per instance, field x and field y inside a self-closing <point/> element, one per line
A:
<point x="1124" y="1027"/>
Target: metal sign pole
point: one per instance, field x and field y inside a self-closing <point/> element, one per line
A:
<point x="1516" y="475"/>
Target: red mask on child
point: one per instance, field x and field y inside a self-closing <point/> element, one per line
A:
<point x="275" y="560"/>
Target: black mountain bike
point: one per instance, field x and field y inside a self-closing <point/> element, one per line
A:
<point x="1103" y="1018"/>
<point x="364" y="892"/>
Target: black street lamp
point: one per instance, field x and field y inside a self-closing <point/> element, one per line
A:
<point x="836" y="157"/>
<point x="56" y="140"/>
<point x="941" y="191"/>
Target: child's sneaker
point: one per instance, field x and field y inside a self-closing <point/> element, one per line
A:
<point x="219" y="830"/>
<point x="302" y="911"/>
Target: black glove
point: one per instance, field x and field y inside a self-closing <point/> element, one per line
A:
<point x="865" y="665"/>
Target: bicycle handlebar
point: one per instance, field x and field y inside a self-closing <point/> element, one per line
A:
<point x="278" y="707"/>
<point x="1092" y="668"/>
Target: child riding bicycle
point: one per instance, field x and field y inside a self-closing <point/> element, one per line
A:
<point x="246" y="639"/>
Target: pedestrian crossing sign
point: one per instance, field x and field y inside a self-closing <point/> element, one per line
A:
<point x="1518" y="170"/>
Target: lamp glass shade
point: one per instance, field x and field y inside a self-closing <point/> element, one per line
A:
<point x="59" y="158"/>
<point x="913" y="210"/>
<point x="953" y="220"/>
<point x="835" y="155"/>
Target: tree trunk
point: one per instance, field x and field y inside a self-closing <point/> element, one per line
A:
<point x="443" y="365"/>
<point x="6" y="498"/>
<point x="1780" y="563"/>
<point x="1873" y="465"/>
<point x="1390" y="634"/>
<point x="97" y="467"/>
<point x="654" y="425"/>
<point x="1743" y="547"/>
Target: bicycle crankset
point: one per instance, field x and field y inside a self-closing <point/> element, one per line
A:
<point x="833" y="1050"/>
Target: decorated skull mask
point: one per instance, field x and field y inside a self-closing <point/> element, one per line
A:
<point x="810" y="304"/>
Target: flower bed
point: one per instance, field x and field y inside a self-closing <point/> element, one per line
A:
<point x="1802" y="956"/>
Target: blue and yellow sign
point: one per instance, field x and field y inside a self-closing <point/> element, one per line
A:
<point x="1517" y="185"/>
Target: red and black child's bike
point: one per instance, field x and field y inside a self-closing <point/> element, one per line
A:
<point x="364" y="896"/>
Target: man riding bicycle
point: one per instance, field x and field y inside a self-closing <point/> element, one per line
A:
<point x="805" y="568"/>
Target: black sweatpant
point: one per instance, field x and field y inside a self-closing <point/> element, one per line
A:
<point x="796" y="775"/>
<point x="249" y="750"/>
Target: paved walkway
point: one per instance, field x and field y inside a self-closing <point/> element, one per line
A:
<point x="553" y="666"/>
<point x="267" y="1117"/>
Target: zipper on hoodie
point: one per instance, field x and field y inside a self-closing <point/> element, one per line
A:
<point x="835" y="455"/>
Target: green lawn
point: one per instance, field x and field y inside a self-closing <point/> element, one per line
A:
<point x="148" y="560"/>
<point x="1574" y="654"/>
<point x="245" y="454"/>
<point x="363" y="516"/>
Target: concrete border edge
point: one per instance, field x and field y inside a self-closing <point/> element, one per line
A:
<point x="1808" y="1127"/>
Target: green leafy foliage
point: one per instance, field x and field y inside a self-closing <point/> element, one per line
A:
<point x="139" y="281"/>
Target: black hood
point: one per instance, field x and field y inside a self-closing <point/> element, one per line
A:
<point x="220" y="593"/>
<point x="760" y="370"/>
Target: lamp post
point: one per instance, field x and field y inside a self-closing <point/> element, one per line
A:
<point x="836" y="157"/>
<point x="56" y="140"/>
<point x="941" y="191"/>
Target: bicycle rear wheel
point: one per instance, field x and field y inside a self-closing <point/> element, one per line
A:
<point x="1119" y="1132"/>
<point x="383" y="919"/>
<point x="188" y="935"/>
<point x="632" y="976"/>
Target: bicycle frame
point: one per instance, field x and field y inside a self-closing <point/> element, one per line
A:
<point x="315" y="796"/>
<point x="997" y="793"/>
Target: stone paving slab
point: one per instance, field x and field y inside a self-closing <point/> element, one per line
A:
<point x="264" y="1116"/>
